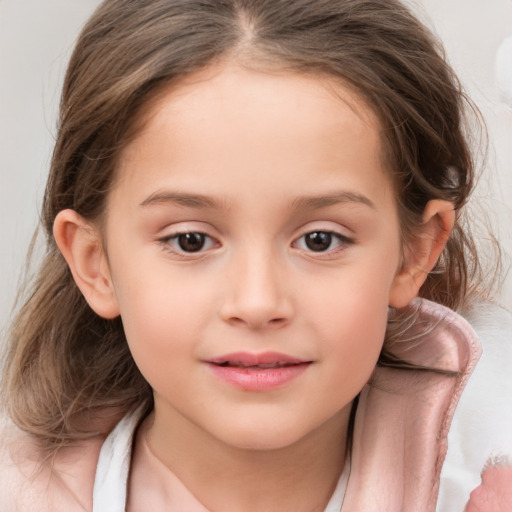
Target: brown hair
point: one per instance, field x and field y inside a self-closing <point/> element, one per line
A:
<point x="65" y="365"/>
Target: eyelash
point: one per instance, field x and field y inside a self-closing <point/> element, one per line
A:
<point x="204" y="239"/>
<point x="168" y="243"/>
<point x="342" y="241"/>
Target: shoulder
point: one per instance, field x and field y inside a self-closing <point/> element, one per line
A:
<point x="482" y="424"/>
<point x="485" y="408"/>
<point x="29" y="485"/>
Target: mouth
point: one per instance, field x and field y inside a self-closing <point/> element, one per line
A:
<point x="267" y="366"/>
<point x="258" y="372"/>
<point x="264" y="360"/>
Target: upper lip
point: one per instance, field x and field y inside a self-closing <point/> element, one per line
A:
<point x="256" y="359"/>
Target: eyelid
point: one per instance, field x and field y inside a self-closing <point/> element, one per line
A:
<point x="318" y="227"/>
<point x="167" y="239"/>
<point x="343" y="240"/>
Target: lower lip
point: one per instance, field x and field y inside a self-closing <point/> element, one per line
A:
<point x="258" y="379"/>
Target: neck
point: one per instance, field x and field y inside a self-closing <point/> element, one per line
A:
<point x="301" y="476"/>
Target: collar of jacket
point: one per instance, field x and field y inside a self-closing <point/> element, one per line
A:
<point x="403" y="416"/>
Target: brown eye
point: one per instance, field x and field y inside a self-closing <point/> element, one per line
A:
<point x="318" y="241"/>
<point x="188" y="243"/>
<point x="329" y="242"/>
<point x="191" y="242"/>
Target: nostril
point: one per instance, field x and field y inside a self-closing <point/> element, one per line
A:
<point x="257" y="303"/>
<point x="258" y="323"/>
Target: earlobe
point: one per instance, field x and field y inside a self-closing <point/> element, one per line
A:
<point x="81" y="245"/>
<point x="423" y="252"/>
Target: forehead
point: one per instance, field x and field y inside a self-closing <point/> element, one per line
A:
<point x="254" y="98"/>
<point x="231" y="125"/>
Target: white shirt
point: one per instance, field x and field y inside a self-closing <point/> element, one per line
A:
<point x="111" y="480"/>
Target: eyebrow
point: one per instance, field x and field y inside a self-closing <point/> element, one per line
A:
<point x="181" y="199"/>
<point x="304" y="202"/>
<point x="322" y="201"/>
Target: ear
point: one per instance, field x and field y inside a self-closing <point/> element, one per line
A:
<point x="80" y="243"/>
<point x="422" y="252"/>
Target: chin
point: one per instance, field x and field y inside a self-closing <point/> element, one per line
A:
<point x="262" y="443"/>
<point x="263" y="435"/>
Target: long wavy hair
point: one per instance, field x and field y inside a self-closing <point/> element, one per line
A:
<point x="65" y="366"/>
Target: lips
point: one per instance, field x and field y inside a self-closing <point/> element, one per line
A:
<point x="238" y="364"/>
<point x="257" y="372"/>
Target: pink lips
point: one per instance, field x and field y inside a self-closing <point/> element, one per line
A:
<point x="257" y="372"/>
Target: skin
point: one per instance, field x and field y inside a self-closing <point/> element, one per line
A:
<point x="495" y="491"/>
<point x="255" y="161"/>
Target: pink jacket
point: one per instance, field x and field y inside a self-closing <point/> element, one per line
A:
<point x="403" y="418"/>
<point x="399" y="443"/>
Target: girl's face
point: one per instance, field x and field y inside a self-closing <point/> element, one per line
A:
<point x="253" y="246"/>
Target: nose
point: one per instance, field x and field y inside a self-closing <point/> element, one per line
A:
<point x="256" y="292"/>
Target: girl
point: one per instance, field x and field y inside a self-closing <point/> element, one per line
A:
<point x="246" y="199"/>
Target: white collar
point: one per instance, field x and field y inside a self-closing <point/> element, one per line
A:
<point x="111" y="479"/>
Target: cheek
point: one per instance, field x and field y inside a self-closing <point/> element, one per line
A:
<point x="357" y="338"/>
<point x="161" y="315"/>
<point x="353" y="323"/>
<point x="355" y="299"/>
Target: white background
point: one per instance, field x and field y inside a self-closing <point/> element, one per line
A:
<point x="36" y="39"/>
